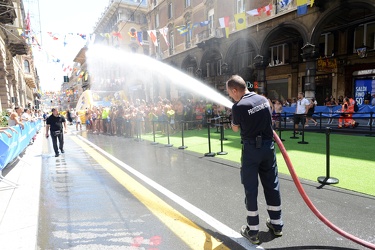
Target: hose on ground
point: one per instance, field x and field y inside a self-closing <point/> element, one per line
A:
<point x="309" y="202"/>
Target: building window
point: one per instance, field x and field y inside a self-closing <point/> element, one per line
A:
<point x="190" y="70"/>
<point x="242" y="60"/>
<point x="159" y="53"/>
<point x="326" y="44"/>
<point x="155" y="2"/>
<point x="145" y="36"/>
<point x="26" y="66"/>
<point x="364" y="35"/>
<point x="170" y="11"/>
<point x="157" y="20"/>
<point x="187" y="3"/>
<point x="240" y="6"/>
<point x="214" y="68"/>
<point x="171" y="43"/>
<point x="146" y="51"/>
<point x="132" y="17"/>
<point x="218" y="67"/>
<point x="279" y="54"/>
<point x="211" y="30"/>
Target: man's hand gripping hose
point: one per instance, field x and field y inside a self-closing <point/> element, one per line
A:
<point x="308" y="201"/>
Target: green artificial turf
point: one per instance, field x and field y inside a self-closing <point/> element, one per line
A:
<point x="352" y="157"/>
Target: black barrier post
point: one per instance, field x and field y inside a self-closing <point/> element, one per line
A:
<point x="303" y="132"/>
<point x="294" y="131"/>
<point x="280" y="128"/>
<point x="320" y="120"/>
<point x="327" y="179"/>
<point x="371" y="121"/>
<point x="211" y="154"/>
<point x="285" y="120"/>
<point x="217" y="127"/>
<point x="222" y="124"/>
<point x="182" y="136"/>
<point x="153" y="134"/>
<point x="169" y="144"/>
<point x="222" y="152"/>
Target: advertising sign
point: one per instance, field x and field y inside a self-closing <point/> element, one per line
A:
<point x="362" y="86"/>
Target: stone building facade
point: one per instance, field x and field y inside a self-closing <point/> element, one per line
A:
<point x="18" y="77"/>
<point x="327" y="51"/>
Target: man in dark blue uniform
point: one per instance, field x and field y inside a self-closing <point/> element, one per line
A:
<point x="251" y="114"/>
<point x="56" y="123"/>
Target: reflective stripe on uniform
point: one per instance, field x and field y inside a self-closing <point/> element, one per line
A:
<point x="253" y="228"/>
<point x="252" y="213"/>
<point x="274" y="208"/>
<point x="276" y="222"/>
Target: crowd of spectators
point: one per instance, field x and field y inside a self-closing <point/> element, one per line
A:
<point x="130" y="118"/>
<point x="18" y="116"/>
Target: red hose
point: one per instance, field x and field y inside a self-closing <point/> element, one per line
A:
<point x="310" y="204"/>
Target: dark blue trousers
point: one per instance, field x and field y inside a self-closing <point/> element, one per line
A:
<point x="260" y="162"/>
<point x="60" y="137"/>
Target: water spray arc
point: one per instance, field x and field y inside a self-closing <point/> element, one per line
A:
<point x="309" y="202"/>
<point x="106" y="63"/>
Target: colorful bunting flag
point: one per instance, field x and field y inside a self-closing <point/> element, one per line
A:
<point x="254" y="12"/>
<point x="164" y="33"/>
<point x="183" y="30"/>
<point x="152" y="34"/>
<point x="83" y="36"/>
<point x="224" y="23"/>
<point x="27" y="24"/>
<point x="132" y="34"/>
<point x="140" y="37"/>
<point x="118" y="35"/>
<point x="267" y="9"/>
<point x="240" y="19"/>
<point x="205" y="23"/>
<point x="301" y="7"/>
<point x="81" y="74"/>
<point x="284" y="3"/>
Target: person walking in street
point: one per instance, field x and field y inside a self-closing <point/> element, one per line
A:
<point x="310" y="112"/>
<point x="301" y="111"/>
<point x="56" y="124"/>
<point x="251" y="114"/>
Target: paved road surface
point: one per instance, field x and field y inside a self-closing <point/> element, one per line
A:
<point x="118" y="193"/>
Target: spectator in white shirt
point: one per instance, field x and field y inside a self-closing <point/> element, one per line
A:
<point x="302" y="107"/>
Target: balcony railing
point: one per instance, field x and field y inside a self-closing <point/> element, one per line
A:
<point x="208" y="34"/>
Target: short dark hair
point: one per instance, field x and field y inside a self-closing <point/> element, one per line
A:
<point x="236" y="82"/>
<point x="53" y="109"/>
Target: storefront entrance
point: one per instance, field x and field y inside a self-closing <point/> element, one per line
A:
<point x="323" y="88"/>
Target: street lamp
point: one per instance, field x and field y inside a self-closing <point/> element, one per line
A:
<point x="258" y="61"/>
<point x="308" y="51"/>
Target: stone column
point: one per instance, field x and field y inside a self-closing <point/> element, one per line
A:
<point x="260" y="64"/>
<point x="309" y="55"/>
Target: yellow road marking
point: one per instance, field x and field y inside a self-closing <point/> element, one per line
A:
<point x="194" y="236"/>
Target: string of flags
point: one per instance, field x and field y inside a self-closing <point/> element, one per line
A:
<point x="240" y="21"/>
<point x="224" y="22"/>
